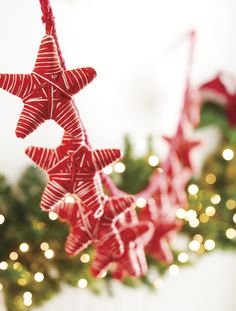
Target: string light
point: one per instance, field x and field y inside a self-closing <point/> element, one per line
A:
<point x="39" y="277"/>
<point x="40" y="225"/>
<point x="2" y="219"/>
<point x="210" y="211"/>
<point x="194" y="245"/>
<point x="234" y="218"/>
<point x="230" y="233"/>
<point x="13" y="256"/>
<point x="85" y="258"/>
<point x="204" y="218"/>
<point x="52" y="216"/>
<point x="108" y="170"/>
<point x="231" y="204"/>
<point x="44" y="246"/>
<point x="209" y="245"/>
<point x="82" y="283"/>
<point x="153" y="160"/>
<point x="119" y="167"/>
<point x="141" y="202"/>
<point x="228" y="154"/>
<point x="198" y="238"/>
<point x="24" y="247"/>
<point x="27" y="296"/>
<point x="181" y="213"/>
<point x="49" y="254"/>
<point x="173" y="270"/>
<point x="183" y="257"/>
<point x="193" y="189"/>
<point x="191" y="215"/>
<point x="215" y="199"/>
<point x="3" y="265"/>
<point x="1" y="286"/>
<point x="210" y="179"/>
<point x="17" y="266"/>
<point x="194" y="223"/>
<point x="22" y="282"/>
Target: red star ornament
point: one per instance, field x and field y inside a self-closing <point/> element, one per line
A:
<point x="165" y="225"/>
<point x="132" y="262"/>
<point x="47" y="92"/>
<point x="182" y="147"/>
<point x="72" y="171"/>
<point x="85" y="229"/>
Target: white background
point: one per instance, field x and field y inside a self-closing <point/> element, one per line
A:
<point x="138" y="50"/>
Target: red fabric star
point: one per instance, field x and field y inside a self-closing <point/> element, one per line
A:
<point x="85" y="229"/>
<point x="72" y="168"/>
<point x="182" y="147"/>
<point x="165" y="224"/>
<point x="132" y="262"/>
<point x="47" y="92"/>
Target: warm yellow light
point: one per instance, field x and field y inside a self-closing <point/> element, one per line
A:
<point x="210" y="179"/>
<point x="85" y="258"/>
<point x="181" y="213"/>
<point x="52" y="216"/>
<point x="230" y="233"/>
<point x="198" y="238"/>
<point x="70" y="198"/>
<point x="231" y="204"/>
<point x="194" y="223"/>
<point x="22" y="282"/>
<point x="210" y="211"/>
<point x="173" y="270"/>
<point x="44" y="246"/>
<point x="39" y="277"/>
<point x="17" y="266"/>
<point x="24" y="247"/>
<point x="119" y="167"/>
<point x="27" y="295"/>
<point x="215" y="199"/>
<point x="204" y="218"/>
<point x="3" y="265"/>
<point x="191" y="215"/>
<point x="1" y="286"/>
<point x="141" y="202"/>
<point x="28" y="303"/>
<point x="13" y="256"/>
<point x="82" y="283"/>
<point x="183" y="257"/>
<point x="228" y="154"/>
<point x="153" y="160"/>
<point x="2" y="219"/>
<point x="234" y="218"/>
<point x="40" y="225"/>
<point x="158" y="283"/>
<point x="209" y="245"/>
<point x="49" y="254"/>
<point x="108" y="170"/>
<point x="193" y="189"/>
<point x="194" y="245"/>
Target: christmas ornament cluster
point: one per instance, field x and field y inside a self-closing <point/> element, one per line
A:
<point x="108" y="220"/>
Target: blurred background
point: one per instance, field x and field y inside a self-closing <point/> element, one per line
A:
<point x="139" y="51"/>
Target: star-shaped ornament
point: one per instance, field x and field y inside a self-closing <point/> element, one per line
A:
<point x="47" y="92"/>
<point x="85" y="229"/>
<point x="72" y="169"/>
<point x="182" y="147"/>
<point x="134" y="235"/>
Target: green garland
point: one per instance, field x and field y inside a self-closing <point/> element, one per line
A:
<point x="32" y="273"/>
